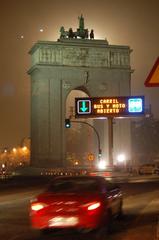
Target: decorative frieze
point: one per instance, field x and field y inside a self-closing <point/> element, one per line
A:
<point x="71" y="55"/>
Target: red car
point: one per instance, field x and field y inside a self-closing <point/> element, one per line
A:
<point x="82" y="202"/>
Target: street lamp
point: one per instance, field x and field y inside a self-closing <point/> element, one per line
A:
<point x="14" y="150"/>
<point x="24" y="148"/>
<point x="76" y="163"/>
<point x="3" y="165"/>
<point x="102" y="165"/>
<point x="121" y="158"/>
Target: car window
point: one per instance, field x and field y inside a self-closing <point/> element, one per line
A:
<point x="74" y="185"/>
<point x="111" y="186"/>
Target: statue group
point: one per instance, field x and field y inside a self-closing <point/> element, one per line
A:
<point x="80" y="33"/>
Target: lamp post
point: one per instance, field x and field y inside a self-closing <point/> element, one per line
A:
<point x="110" y="137"/>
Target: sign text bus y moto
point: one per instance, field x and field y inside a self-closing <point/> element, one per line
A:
<point x="119" y="106"/>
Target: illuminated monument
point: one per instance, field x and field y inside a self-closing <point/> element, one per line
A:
<point x="76" y="61"/>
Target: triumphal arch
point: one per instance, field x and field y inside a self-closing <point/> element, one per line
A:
<point x="75" y="61"/>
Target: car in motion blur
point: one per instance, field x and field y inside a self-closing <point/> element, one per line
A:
<point x="149" y="169"/>
<point x="85" y="203"/>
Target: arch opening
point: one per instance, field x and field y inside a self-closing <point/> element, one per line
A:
<point x="79" y="139"/>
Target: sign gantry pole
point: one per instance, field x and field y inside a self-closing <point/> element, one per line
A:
<point x="110" y="141"/>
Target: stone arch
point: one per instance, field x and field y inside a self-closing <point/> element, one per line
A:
<point x="57" y="68"/>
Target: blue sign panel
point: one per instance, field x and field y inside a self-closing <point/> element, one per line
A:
<point x="135" y="105"/>
<point x="84" y="106"/>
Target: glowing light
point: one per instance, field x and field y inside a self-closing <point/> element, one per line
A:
<point x="41" y="30"/>
<point x="21" y="36"/>
<point x="121" y="158"/>
<point x="3" y="165"/>
<point x="24" y="148"/>
<point x="14" y="150"/>
<point x="102" y="164"/>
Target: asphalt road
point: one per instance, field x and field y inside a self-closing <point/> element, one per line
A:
<point x="140" y="221"/>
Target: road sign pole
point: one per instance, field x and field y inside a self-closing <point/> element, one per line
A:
<point x="110" y="141"/>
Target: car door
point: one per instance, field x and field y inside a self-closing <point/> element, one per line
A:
<point x="113" y="196"/>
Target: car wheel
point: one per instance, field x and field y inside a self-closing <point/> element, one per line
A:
<point x="109" y="222"/>
<point x="120" y="214"/>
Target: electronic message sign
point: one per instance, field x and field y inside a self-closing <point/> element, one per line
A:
<point x="96" y="107"/>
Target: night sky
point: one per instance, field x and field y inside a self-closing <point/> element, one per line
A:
<point x="121" y="22"/>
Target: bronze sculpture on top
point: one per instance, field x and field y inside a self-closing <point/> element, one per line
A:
<point x="80" y="33"/>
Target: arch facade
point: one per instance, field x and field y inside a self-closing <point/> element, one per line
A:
<point x="58" y="68"/>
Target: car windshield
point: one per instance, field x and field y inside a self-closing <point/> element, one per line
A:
<point x="74" y="185"/>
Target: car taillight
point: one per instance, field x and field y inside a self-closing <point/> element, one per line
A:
<point x="38" y="206"/>
<point x="92" y="206"/>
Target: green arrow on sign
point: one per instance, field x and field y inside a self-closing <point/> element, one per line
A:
<point x="84" y="108"/>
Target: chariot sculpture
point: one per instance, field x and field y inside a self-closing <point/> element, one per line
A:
<point x="81" y="32"/>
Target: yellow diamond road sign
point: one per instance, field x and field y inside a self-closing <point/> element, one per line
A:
<point x="153" y="77"/>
